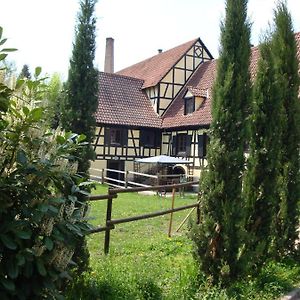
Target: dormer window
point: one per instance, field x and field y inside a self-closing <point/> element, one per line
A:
<point x="189" y="105"/>
<point x="193" y="99"/>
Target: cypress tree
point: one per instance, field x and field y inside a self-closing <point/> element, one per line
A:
<point x="286" y="63"/>
<point x="218" y="238"/>
<point x="261" y="188"/>
<point x="54" y="99"/>
<point x="80" y="102"/>
<point x="82" y="84"/>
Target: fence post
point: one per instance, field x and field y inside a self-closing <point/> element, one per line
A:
<point x="171" y="214"/>
<point x="107" y="223"/>
<point x="126" y="179"/>
<point x="185" y="219"/>
<point x="102" y="176"/>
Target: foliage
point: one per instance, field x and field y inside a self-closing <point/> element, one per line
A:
<point x="5" y="91"/>
<point x="39" y="191"/>
<point x="25" y="73"/>
<point x="218" y="238"/>
<point x="82" y="84"/>
<point x="262" y="188"/>
<point x="54" y="97"/>
<point x="144" y="263"/>
<point x="286" y="63"/>
<point x="273" y="280"/>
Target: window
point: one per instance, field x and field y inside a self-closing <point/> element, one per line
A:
<point x="182" y="144"/>
<point x="189" y="105"/>
<point x="202" y="142"/>
<point x="150" y="138"/>
<point x="116" y="136"/>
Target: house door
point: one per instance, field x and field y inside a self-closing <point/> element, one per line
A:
<point x="118" y="165"/>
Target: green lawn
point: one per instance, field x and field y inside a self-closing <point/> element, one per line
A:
<point x="141" y="252"/>
<point x="144" y="263"/>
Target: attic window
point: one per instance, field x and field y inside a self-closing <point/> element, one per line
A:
<point x="189" y="105"/>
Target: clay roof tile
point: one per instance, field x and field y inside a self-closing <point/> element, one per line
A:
<point x="123" y="102"/>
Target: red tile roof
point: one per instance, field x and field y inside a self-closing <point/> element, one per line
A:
<point x="202" y="80"/>
<point x="198" y="92"/>
<point x="123" y="102"/>
<point x="153" y="69"/>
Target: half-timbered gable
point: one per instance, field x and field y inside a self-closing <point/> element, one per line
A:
<point x="166" y="73"/>
<point x="200" y="88"/>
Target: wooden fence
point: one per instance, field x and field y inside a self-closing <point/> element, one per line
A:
<point x="101" y="175"/>
<point x="113" y="194"/>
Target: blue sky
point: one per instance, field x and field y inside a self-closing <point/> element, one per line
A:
<point x="43" y="30"/>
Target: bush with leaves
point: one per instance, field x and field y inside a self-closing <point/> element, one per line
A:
<point x="40" y="221"/>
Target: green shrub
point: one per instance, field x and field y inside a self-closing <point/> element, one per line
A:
<point x="149" y="289"/>
<point x="39" y="219"/>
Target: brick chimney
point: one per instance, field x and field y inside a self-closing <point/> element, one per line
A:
<point x="109" y="56"/>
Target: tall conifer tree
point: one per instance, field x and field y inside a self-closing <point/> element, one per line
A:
<point x="217" y="239"/>
<point x="82" y="84"/>
<point x="286" y="63"/>
<point x="261" y="189"/>
<point x="81" y="100"/>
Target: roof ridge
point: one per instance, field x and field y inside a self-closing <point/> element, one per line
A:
<point x="154" y="68"/>
<point x="191" y="43"/>
<point x="159" y="54"/>
<point x="120" y="75"/>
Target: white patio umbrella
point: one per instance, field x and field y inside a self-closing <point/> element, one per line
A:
<point x="163" y="159"/>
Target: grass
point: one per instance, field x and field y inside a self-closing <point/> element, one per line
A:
<point x="144" y="263"/>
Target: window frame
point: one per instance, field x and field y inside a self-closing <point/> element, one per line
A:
<point x="189" y="105"/>
<point x="181" y="143"/>
<point x="155" y="138"/>
<point x="116" y="136"/>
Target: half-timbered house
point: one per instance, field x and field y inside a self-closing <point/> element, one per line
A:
<point x="158" y="106"/>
